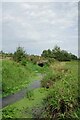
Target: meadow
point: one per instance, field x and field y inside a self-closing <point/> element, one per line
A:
<point x="56" y="98"/>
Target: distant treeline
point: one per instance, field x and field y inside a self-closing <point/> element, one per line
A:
<point x="58" y="54"/>
<point x="55" y="53"/>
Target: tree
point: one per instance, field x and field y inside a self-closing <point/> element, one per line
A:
<point x="19" y="54"/>
<point x="58" y="54"/>
<point x="65" y="56"/>
<point x="73" y="57"/>
<point x="44" y="53"/>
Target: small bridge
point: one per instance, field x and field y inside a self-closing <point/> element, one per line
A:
<point x="42" y="63"/>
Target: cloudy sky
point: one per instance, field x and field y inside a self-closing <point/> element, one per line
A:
<point x="39" y="26"/>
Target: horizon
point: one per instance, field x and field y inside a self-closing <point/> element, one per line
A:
<point x="34" y="54"/>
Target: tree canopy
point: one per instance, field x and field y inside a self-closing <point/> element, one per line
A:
<point x="19" y="54"/>
<point x="57" y="53"/>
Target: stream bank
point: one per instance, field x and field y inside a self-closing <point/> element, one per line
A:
<point x="8" y="100"/>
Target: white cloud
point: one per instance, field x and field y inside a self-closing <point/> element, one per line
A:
<point x="0" y="26"/>
<point x="40" y="1"/>
<point x="26" y="6"/>
<point x="40" y="25"/>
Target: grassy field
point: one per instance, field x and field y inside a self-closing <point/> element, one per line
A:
<point x="60" y="83"/>
<point x="17" y="76"/>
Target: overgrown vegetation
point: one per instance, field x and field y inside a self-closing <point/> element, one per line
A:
<point x="58" y="96"/>
<point x="61" y="102"/>
<point x="20" y="56"/>
<point x="58" y="54"/>
<point x="17" y="76"/>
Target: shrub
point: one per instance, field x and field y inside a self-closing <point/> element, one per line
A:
<point x="23" y="62"/>
<point x="50" y="78"/>
<point x="19" y="54"/>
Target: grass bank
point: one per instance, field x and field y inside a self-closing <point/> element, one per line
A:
<point x="26" y="107"/>
<point x="62" y="99"/>
<point x="17" y="76"/>
<point x="45" y="102"/>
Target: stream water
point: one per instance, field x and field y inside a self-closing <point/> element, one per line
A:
<point x="8" y="100"/>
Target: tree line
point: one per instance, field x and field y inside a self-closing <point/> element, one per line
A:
<point x="58" y="54"/>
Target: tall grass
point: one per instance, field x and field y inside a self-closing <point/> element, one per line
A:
<point x="0" y="78"/>
<point x="16" y="76"/>
<point x="61" y="99"/>
<point x="63" y="93"/>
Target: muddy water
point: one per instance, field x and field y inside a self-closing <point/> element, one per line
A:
<point x="8" y="100"/>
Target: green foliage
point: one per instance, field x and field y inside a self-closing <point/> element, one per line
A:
<point x="29" y="95"/>
<point x="77" y="113"/>
<point x="5" y="55"/>
<point x="63" y="90"/>
<point x="47" y="53"/>
<point x="23" y="62"/>
<point x="64" y="93"/>
<point x="50" y="79"/>
<point x="25" y="107"/>
<point x="16" y="76"/>
<point x="19" y="54"/>
<point x="8" y="113"/>
<point x="35" y="58"/>
<point x="58" y="54"/>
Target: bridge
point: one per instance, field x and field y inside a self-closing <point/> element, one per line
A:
<point x="42" y="63"/>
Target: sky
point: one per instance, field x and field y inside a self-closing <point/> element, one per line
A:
<point x="39" y="25"/>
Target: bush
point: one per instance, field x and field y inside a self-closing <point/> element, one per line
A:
<point x="23" y="62"/>
<point x="50" y="78"/>
<point x="19" y="55"/>
<point x="58" y="54"/>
